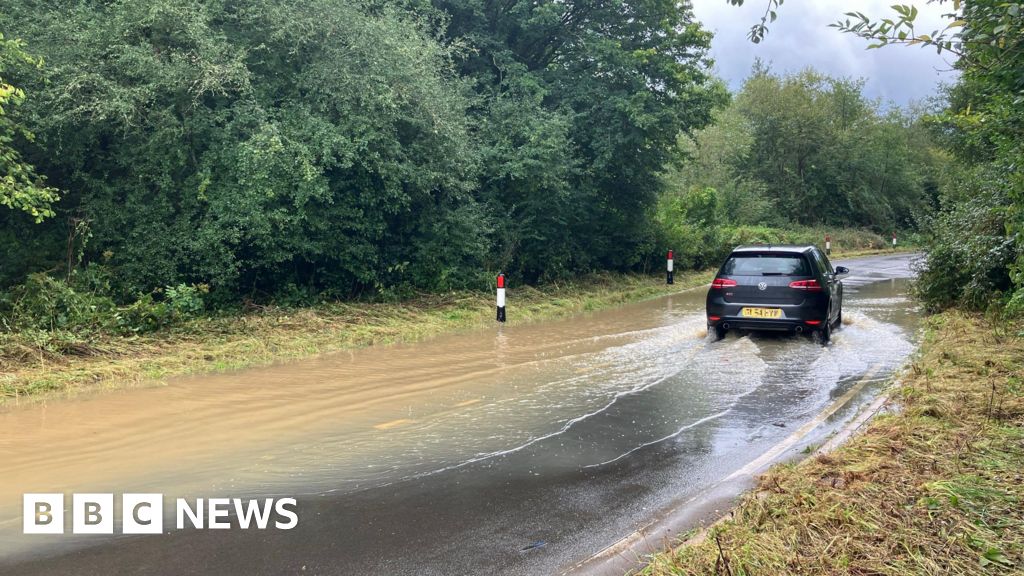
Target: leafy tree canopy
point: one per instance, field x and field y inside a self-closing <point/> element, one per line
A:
<point x="21" y="187"/>
<point x="342" y="146"/>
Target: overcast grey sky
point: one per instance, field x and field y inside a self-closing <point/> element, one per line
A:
<point x="801" y="37"/>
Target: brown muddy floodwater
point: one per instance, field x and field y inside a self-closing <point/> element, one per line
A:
<point x="580" y="395"/>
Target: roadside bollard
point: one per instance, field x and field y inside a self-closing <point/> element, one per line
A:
<point x="501" y="297"/>
<point x="894" y="240"/>
<point x="668" y="278"/>
<point x="828" y="245"/>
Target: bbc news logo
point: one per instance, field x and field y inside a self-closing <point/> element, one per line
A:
<point x="144" y="513"/>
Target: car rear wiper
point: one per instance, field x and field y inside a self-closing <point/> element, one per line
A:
<point x="773" y="274"/>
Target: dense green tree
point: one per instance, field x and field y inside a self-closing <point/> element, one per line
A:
<point x="254" y="144"/>
<point x="340" y="146"/>
<point x="21" y="188"/>
<point x="718" y="157"/>
<point x="977" y="250"/>
<point x="810" y="149"/>
<point x="597" y="92"/>
<point x="829" y="156"/>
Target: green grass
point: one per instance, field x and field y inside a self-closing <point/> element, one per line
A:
<point x="843" y="239"/>
<point x="935" y="487"/>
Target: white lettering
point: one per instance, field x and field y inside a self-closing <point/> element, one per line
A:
<point x="217" y="508"/>
<point x="282" y="511"/>
<point x="253" y="511"/>
<point x="185" y="510"/>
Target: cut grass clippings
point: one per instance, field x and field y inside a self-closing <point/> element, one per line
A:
<point x="933" y="487"/>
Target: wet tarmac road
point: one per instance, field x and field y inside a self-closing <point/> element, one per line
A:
<point x="519" y="450"/>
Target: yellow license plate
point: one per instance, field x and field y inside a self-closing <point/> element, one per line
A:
<point x="761" y="312"/>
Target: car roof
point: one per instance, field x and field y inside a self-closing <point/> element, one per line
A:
<point x="780" y="248"/>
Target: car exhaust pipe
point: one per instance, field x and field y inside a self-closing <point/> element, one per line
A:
<point x="725" y="326"/>
<point x="799" y="329"/>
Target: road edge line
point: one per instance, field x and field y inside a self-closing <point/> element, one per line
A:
<point x="640" y="536"/>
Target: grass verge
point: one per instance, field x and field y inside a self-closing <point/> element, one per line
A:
<point x="272" y="334"/>
<point x="29" y="368"/>
<point x="935" y="487"/>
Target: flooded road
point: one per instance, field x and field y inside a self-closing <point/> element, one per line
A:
<point x="515" y="450"/>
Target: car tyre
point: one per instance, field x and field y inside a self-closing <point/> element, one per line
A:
<point x="718" y="331"/>
<point x="825" y="333"/>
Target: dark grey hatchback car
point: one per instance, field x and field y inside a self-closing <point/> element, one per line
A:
<point x="781" y="288"/>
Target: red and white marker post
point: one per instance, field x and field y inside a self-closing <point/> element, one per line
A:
<point x="828" y="245"/>
<point x="894" y="240"/>
<point x="501" y="297"/>
<point x="668" y="268"/>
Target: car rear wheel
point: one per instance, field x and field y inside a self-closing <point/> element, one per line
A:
<point x="718" y="331"/>
<point x="825" y="333"/>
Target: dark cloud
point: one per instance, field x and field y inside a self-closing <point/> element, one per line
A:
<point x="801" y="38"/>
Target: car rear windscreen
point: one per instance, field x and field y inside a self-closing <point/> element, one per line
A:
<point x="766" y="265"/>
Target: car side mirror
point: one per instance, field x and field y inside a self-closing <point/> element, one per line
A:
<point x="840" y="270"/>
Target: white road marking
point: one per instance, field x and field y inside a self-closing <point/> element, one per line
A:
<point x="791" y="440"/>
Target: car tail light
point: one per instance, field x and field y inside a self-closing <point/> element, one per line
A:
<point x="811" y="285"/>
<point x="714" y="318"/>
<point x="813" y="322"/>
<point x="720" y="283"/>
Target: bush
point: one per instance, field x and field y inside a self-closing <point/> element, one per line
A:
<point x="185" y="299"/>
<point x="969" y="254"/>
<point x="689" y="224"/>
<point x="44" y="303"/>
<point x="842" y="238"/>
<point x="143" y="315"/>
